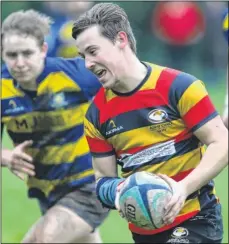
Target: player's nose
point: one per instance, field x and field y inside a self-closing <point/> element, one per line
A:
<point x="20" y="62"/>
<point x="89" y="64"/>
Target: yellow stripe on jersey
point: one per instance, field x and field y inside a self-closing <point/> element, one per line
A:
<point x="9" y="89"/>
<point x="173" y="166"/>
<point x="56" y="82"/>
<point x="149" y="85"/>
<point x="152" y="134"/>
<point x="190" y="206"/>
<point x="47" y="186"/>
<point x="58" y="154"/>
<point x="58" y="122"/>
<point x="153" y="78"/>
<point x="91" y="131"/>
<point x="225" y="23"/>
<point x="194" y="93"/>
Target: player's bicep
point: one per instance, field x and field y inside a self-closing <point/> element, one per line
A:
<point x="105" y="167"/>
<point x="213" y="131"/>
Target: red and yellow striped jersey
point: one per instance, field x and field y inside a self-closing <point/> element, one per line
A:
<point x="151" y="129"/>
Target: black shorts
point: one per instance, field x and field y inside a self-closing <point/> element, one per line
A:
<point x="84" y="202"/>
<point x="205" y="227"/>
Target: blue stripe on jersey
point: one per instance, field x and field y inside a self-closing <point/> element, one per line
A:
<point x="206" y="199"/>
<point x="60" y="190"/>
<point x="178" y="87"/>
<point x="139" y="118"/>
<point x="92" y="115"/>
<point x="181" y="148"/>
<point x="55" y="172"/>
<point x="48" y="138"/>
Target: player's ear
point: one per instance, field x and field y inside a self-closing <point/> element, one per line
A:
<point x="44" y="49"/>
<point x="122" y="39"/>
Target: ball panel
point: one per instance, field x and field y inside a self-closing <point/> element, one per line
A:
<point x="156" y="201"/>
<point x="142" y="199"/>
<point x="133" y="208"/>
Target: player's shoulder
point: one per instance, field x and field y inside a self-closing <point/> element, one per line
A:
<point x="64" y="64"/>
<point x="74" y="68"/>
<point x="170" y="78"/>
<point x="5" y="74"/>
<point x="98" y="103"/>
<point x="6" y="78"/>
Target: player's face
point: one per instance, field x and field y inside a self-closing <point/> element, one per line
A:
<point x="102" y="57"/>
<point x="23" y="57"/>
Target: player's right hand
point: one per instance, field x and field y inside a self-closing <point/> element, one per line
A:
<point x="19" y="162"/>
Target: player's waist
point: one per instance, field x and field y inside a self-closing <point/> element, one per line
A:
<point x="179" y="219"/>
<point x="40" y="187"/>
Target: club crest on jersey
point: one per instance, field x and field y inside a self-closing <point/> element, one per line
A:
<point x="180" y="232"/>
<point x="59" y="100"/>
<point x="157" y="116"/>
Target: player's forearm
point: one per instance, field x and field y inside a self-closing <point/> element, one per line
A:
<point x="213" y="162"/>
<point x="6" y="154"/>
<point x="106" y="188"/>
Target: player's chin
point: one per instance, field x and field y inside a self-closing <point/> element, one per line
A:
<point x="107" y="85"/>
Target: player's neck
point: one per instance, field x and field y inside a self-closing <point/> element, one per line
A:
<point x="133" y="74"/>
<point x="29" y="86"/>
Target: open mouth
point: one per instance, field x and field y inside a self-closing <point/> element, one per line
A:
<point x="100" y="73"/>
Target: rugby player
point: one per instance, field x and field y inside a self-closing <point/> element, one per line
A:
<point x="43" y="104"/>
<point x="225" y="30"/>
<point x="151" y="118"/>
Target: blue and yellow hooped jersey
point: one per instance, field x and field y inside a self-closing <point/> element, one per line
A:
<point x="225" y="25"/>
<point x="151" y="129"/>
<point x="54" y="121"/>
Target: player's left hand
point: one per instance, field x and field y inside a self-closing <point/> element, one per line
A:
<point x="176" y="202"/>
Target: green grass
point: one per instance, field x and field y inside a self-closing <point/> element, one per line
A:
<point x="19" y="213"/>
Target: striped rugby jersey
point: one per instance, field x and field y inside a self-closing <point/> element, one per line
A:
<point x="151" y="129"/>
<point x="53" y="119"/>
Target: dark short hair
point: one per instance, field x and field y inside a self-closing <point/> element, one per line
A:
<point x="110" y="17"/>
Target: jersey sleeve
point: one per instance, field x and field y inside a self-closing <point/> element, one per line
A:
<point x="192" y="101"/>
<point x="99" y="147"/>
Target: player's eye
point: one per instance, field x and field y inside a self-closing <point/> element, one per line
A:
<point x="93" y="52"/>
<point x="11" y="55"/>
<point x="27" y="53"/>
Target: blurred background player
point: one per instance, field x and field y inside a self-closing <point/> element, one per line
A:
<point x="60" y="41"/>
<point x="43" y="104"/>
<point x="175" y="117"/>
<point x="225" y="31"/>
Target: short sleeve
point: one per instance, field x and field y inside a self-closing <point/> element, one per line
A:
<point x="192" y="101"/>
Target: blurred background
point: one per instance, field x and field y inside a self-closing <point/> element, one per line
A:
<point x="183" y="35"/>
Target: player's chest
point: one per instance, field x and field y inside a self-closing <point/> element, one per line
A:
<point x="144" y="115"/>
<point x="47" y="111"/>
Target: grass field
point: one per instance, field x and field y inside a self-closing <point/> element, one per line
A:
<point x="19" y="213"/>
